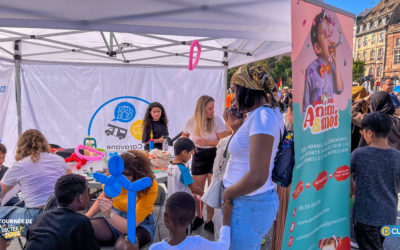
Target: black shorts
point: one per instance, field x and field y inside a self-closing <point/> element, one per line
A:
<point x="203" y="161"/>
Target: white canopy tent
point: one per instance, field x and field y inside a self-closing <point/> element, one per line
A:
<point x="130" y="34"/>
<point x="146" y="32"/>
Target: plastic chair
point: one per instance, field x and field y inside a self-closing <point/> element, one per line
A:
<point x="51" y="203"/>
<point x="160" y="204"/>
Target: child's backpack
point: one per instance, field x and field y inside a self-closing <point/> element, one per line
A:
<point x="284" y="160"/>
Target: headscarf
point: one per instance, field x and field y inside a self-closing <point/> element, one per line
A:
<point x="358" y="92"/>
<point x="382" y="101"/>
<point x="253" y="76"/>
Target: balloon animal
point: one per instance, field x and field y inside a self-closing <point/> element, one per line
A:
<point x="112" y="188"/>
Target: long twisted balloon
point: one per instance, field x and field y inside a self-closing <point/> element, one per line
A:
<point x="112" y="188"/>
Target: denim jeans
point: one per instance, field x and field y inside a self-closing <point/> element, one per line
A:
<point x="251" y="219"/>
<point x="11" y="217"/>
<point x="147" y="224"/>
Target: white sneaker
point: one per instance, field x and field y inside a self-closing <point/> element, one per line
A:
<point x="354" y="245"/>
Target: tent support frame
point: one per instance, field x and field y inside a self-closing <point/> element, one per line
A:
<point x="112" y="48"/>
<point x="22" y="36"/>
<point x="105" y="41"/>
<point x="8" y="52"/>
<point x="17" y="57"/>
<point x="116" y="42"/>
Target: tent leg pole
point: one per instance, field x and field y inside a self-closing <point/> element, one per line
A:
<point x="226" y="80"/>
<point x="226" y="85"/>
<point x="225" y="63"/>
<point x="17" y="57"/>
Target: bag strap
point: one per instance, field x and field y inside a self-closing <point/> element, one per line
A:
<point x="227" y="145"/>
<point x="226" y="148"/>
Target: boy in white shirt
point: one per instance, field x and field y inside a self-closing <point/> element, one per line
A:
<point x="179" y="213"/>
<point x="179" y="177"/>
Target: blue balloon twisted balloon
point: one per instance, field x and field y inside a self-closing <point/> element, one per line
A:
<point x="112" y="188"/>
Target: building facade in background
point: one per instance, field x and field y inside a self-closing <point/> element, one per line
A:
<point x="392" y="62"/>
<point x="376" y="31"/>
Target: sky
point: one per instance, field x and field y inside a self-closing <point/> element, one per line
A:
<point x="353" y="6"/>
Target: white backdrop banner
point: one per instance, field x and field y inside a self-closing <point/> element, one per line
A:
<point x="71" y="102"/>
<point x="8" y="110"/>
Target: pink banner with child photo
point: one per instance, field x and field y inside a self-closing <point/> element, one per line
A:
<point x="318" y="215"/>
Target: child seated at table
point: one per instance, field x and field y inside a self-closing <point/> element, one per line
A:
<point x="113" y="227"/>
<point x="179" y="177"/>
<point x="179" y="213"/>
<point x="64" y="227"/>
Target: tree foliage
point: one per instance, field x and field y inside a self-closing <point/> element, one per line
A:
<point x="278" y="68"/>
<point x="230" y="74"/>
<point x="283" y="69"/>
<point x="358" y="70"/>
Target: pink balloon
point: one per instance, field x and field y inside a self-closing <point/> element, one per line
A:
<point x="89" y="158"/>
<point x="193" y="65"/>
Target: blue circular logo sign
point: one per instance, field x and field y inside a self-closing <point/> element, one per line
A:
<point x="124" y="112"/>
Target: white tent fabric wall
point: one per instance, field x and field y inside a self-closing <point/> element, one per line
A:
<point x="8" y="110"/>
<point x="60" y="100"/>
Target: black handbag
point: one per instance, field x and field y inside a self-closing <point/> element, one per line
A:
<point x="284" y="160"/>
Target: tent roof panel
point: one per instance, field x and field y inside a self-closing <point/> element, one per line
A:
<point x="250" y="19"/>
<point x="231" y="32"/>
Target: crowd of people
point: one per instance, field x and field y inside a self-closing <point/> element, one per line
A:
<point x="375" y="162"/>
<point x="249" y="132"/>
<point x="237" y="150"/>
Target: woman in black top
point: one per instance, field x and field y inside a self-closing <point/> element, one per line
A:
<point x="155" y="120"/>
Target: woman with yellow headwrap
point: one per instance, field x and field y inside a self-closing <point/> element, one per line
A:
<point x="252" y="151"/>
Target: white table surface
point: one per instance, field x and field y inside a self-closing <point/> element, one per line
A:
<point x="161" y="177"/>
